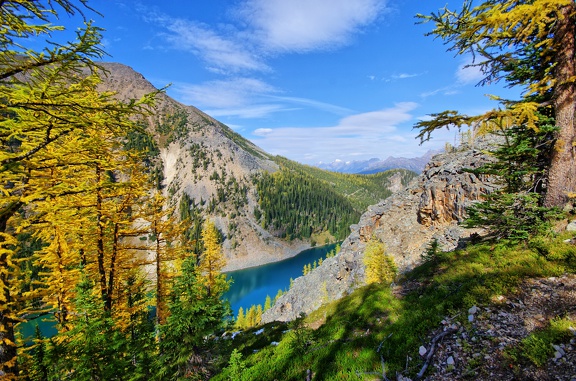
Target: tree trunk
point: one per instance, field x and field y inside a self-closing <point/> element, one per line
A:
<point x="562" y="172"/>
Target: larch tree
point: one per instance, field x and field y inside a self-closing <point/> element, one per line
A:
<point x="379" y="267"/>
<point x="529" y="44"/>
<point x="165" y="246"/>
<point x="49" y="100"/>
<point x="212" y="260"/>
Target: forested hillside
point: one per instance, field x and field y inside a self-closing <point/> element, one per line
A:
<point x="299" y="201"/>
<point x="360" y="190"/>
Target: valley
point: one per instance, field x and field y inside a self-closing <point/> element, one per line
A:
<point x="211" y="172"/>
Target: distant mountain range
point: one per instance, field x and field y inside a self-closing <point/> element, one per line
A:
<point x="375" y="165"/>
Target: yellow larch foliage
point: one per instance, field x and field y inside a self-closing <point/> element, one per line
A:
<point x="379" y="267"/>
<point x="212" y="260"/>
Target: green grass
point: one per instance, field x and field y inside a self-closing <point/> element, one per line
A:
<point x="346" y="346"/>
<point x="537" y="347"/>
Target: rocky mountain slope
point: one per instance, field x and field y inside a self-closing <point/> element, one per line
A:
<point x="407" y="222"/>
<point x="211" y="171"/>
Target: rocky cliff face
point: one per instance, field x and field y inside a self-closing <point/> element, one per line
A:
<point x="407" y="222"/>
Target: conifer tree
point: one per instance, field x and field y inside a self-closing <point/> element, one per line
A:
<point x="212" y="260"/>
<point x="166" y="245"/>
<point x="258" y="318"/>
<point x="531" y="44"/>
<point x="268" y="302"/>
<point x="194" y="313"/>
<point x="251" y="316"/>
<point x="49" y="103"/>
<point x="379" y="267"/>
<point x="93" y="349"/>
<point x="240" y="319"/>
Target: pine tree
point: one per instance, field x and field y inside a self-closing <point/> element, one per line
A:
<point x="531" y="44"/>
<point x="515" y="211"/>
<point x="93" y="348"/>
<point x="38" y="369"/>
<point x="194" y="313"/>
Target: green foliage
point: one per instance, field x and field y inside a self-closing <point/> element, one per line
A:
<point x="38" y="369"/>
<point x="515" y="216"/>
<point x="515" y="211"/>
<point x="193" y="221"/>
<point x="360" y="190"/>
<point x="537" y="347"/>
<point x="301" y="337"/>
<point x="300" y="201"/>
<point x="173" y="127"/>
<point x="236" y="366"/>
<point x="195" y="314"/>
<point x="344" y="346"/>
<point x="295" y="205"/>
<point x="93" y="348"/>
<point x="432" y="251"/>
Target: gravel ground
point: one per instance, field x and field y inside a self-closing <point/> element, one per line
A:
<point x="475" y="350"/>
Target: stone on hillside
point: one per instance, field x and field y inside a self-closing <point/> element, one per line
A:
<point x="571" y="226"/>
<point x="422" y="350"/>
<point x="430" y="208"/>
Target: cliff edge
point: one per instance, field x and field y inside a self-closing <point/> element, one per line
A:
<point x="407" y="222"/>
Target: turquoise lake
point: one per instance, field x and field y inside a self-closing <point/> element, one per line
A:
<point x="250" y="286"/>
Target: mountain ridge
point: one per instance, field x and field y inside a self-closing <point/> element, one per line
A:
<point x="213" y="172"/>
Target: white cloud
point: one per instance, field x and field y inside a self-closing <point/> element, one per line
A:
<point x="247" y="112"/>
<point x="360" y="136"/>
<point x="228" y="93"/>
<point x="406" y="75"/>
<point x="262" y="131"/>
<point x="467" y="74"/>
<point x="265" y="26"/>
<point x="220" y="52"/>
<point x="305" y="25"/>
<point x="314" y="104"/>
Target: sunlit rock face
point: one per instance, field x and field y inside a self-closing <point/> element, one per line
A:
<point x="407" y="222"/>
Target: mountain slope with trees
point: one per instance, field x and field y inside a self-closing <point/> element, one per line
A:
<point x="209" y="171"/>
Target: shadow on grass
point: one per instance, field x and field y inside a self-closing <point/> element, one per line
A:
<point x="372" y="317"/>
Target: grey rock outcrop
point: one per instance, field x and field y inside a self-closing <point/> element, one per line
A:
<point x="429" y="208"/>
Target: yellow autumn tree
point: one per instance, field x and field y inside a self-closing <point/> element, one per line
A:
<point x="212" y="260"/>
<point x="379" y="267"/>
<point x="165" y="246"/>
<point x="49" y="103"/>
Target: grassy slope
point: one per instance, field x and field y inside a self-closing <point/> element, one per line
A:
<point x="345" y="346"/>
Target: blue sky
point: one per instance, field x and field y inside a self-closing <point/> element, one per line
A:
<point x="312" y="80"/>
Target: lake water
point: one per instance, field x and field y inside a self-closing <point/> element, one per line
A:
<point x="250" y="286"/>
